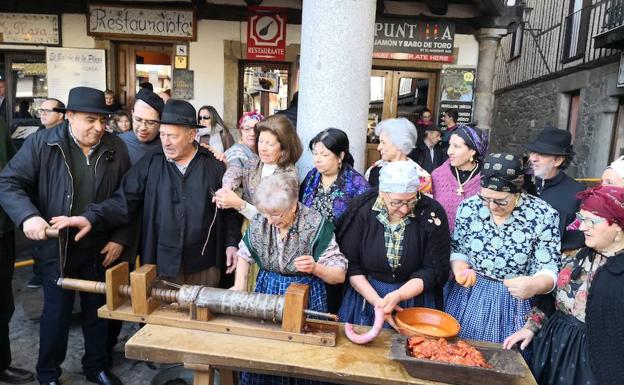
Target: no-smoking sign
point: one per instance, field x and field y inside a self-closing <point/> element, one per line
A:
<point x="266" y="33"/>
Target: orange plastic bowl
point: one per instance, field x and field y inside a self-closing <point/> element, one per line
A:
<point x="425" y="321"/>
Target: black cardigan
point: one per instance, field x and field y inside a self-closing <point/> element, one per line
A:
<point x="605" y="321"/>
<point x="426" y="245"/>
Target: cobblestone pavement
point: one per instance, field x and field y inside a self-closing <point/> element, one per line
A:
<point x="24" y="334"/>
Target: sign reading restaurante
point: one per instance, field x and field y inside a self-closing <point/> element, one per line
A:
<point x="414" y="40"/>
<point x="119" y="20"/>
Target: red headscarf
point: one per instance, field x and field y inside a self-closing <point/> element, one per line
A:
<point x="251" y="115"/>
<point x="606" y="202"/>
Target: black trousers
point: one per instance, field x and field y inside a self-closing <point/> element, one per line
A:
<point x="57" y="313"/>
<point x="7" y="261"/>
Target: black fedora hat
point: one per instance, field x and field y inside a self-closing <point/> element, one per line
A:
<point x="86" y="99"/>
<point x="179" y="112"/>
<point x="552" y="141"/>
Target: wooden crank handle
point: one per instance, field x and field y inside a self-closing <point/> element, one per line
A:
<point x="51" y="233"/>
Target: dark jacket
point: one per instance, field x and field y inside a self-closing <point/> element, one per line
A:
<point x="290" y="113"/>
<point x="38" y="182"/>
<point x="605" y="322"/>
<point x="446" y="137"/>
<point x="177" y="214"/>
<point x="7" y="150"/>
<point x="560" y="192"/>
<point x="426" y="244"/>
<point x="421" y="155"/>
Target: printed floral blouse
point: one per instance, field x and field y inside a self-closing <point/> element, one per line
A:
<point x="572" y="292"/>
<point x="527" y="243"/>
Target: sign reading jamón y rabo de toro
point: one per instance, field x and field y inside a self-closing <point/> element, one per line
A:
<point x="414" y="40"/>
<point x="120" y="20"/>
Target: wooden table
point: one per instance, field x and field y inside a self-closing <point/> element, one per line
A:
<point x="202" y="351"/>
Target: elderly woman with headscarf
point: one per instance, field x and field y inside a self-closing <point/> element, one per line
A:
<point x="505" y="251"/>
<point x="397" y="138"/>
<point x="459" y="177"/>
<point x="246" y="150"/>
<point x="613" y="175"/>
<point x="290" y="243"/>
<point x="398" y="244"/>
<point x="581" y="340"/>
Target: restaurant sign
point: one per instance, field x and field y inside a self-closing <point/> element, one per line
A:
<point x="26" y="28"/>
<point x="136" y="21"/>
<point x="266" y="33"/>
<point x="414" y="40"/>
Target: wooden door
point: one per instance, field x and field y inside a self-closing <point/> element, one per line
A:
<point x="397" y="94"/>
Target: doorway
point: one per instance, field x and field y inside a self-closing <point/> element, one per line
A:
<point x="617" y="140"/>
<point x="264" y="87"/>
<point x="137" y="64"/>
<point x="395" y="94"/>
<point x="26" y="87"/>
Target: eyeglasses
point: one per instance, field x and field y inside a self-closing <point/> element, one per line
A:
<point x="246" y="129"/>
<point x="396" y="204"/>
<point x="277" y="217"/>
<point x="151" y="124"/>
<point x="497" y="202"/>
<point x="589" y="222"/>
<point x="205" y="117"/>
<point x="43" y="111"/>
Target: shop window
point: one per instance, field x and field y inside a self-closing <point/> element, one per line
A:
<point x="573" y="113"/>
<point x="264" y="87"/>
<point x="576" y="29"/>
<point x="516" y="42"/>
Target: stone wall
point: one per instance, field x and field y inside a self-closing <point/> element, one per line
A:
<point x="520" y="113"/>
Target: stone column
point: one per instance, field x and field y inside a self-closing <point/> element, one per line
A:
<point x="336" y="61"/>
<point x="488" y="38"/>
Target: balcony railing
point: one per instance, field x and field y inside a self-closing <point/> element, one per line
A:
<point x="614" y="15"/>
<point x="558" y="42"/>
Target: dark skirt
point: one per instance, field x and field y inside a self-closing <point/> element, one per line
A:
<point x="560" y="354"/>
<point x="356" y="310"/>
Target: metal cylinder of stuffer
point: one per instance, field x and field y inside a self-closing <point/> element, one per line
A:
<point x="266" y="307"/>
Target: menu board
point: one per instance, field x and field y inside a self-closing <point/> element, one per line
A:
<point x="183" y="87"/>
<point x="73" y="67"/>
<point x="266" y="81"/>
<point x="457" y="92"/>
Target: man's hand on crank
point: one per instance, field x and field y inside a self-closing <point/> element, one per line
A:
<point x="81" y="223"/>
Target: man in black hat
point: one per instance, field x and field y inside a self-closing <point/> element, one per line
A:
<point x="428" y="152"/>
<point x="550" y="154"/>
<point x="182" y="231"/>
<point x="57" y="172"/>
<point x="145" y="124"/>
